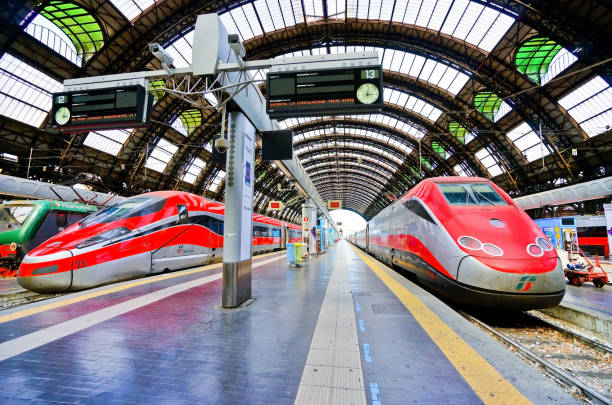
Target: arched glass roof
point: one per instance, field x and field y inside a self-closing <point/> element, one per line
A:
<point x="383" y="119"/>
<point x="468" y="21"/>
<point x="341" y="130"/>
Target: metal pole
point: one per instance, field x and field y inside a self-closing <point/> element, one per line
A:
<point x="541" y="144"/>
<point x="29" y="164"/>
<point x="420" y="172"/>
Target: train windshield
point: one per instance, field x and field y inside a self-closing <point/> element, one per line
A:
<point x="131" y="207"/>
<point x="13" y="216"/>
<point x="471" y="194"/>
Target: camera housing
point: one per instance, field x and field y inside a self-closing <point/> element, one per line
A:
<point x="221" y="145"/>
<point x="161" y="54"/>
<point x="234" y="42"/>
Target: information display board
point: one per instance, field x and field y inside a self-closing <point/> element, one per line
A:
<point x="118" y="107"/>
<point x="356" y="90"/>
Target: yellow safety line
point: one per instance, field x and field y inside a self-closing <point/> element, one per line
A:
<point x="487" y="383"/>
<point x="69" y="301"/>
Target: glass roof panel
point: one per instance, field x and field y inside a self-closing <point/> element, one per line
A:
<point x="214" y="185"/>
<point x="132" y="8"/>
<point x="161" y="155"/>
<point x="181" y="50"/>
<point x="528" y="142"/>
<point x="157" y="84"/>
<point x="591" y="106"/>
<point x="51" y="35"/>
<point x="194" y="170"/>
<point x="110" y="141"/>
<point x="467" y="20"/>
<point x="25" y="93"/>
<point x="461" y="132"/>
<point x="562" y="60"/>
<point x="489" y="162"/>
<point x="78" y="24"/>
<point x="412" y="103"/>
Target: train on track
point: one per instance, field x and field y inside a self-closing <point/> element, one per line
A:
<point x="145" y="234"/>
<point x="466" y="239"/>
<point x="25" y="224"/>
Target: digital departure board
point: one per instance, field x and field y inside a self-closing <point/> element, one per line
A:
<point x="302" y="93"/>
<point x="118" y="107"/>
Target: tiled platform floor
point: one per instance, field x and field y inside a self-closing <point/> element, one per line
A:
<point x="165" y="340"/>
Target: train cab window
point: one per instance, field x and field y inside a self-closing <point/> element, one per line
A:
<point x="61" y="220"/>
<point x="13" y="216"/>
<point x="132" y="207"/>
<point x="471" y="194"/>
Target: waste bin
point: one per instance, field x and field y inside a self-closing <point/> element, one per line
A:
<point x="294" y="254"/>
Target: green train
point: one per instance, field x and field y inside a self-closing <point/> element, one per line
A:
<point x="26" y="224"/>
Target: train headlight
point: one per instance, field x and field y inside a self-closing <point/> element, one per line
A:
<point x="13" y="246"/>
<point x="492" y="250"/>
<point x="534" y="250"/>
<point x="469" y="242"/>
<point x="544" y="244"/>
<point x="103" y="237"/>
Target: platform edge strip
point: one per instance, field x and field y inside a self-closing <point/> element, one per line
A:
<point x="490" y="386"/>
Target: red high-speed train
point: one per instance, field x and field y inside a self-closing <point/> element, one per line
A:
<point x="468" y="241"/>
<point x="145" y="234"/>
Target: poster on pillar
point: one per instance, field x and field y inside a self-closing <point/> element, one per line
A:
<point x="608" y="213"/>
<point x="247" y="195"/>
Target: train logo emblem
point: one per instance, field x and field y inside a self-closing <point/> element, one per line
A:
<point x="525" y="283"/>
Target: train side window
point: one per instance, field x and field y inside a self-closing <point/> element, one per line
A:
<point x="418" y="209"/>
<point x="183" y="215"/>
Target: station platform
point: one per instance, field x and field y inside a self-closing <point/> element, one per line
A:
<point x="343" y="329"/>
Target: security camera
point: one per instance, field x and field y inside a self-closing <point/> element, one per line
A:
<point x="236" y="45"/>
<point x="221" y="145"/>
<point x="160" y="53"/>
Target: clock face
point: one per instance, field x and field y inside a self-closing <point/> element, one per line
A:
<point x="367" y="93"/>
<point x="62" y="115"/>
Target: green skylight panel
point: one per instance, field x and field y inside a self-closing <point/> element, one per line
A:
<point x="460" y="132"/>
<point x="491" y="105"/>
<point x="187" y="121"/>
<point x="157" y="84"/>
<point x="439" y="149"/>
<point x="534" y="57"/>
<point x="78" y="24"/>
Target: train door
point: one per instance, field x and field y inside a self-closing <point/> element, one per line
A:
<point x="284" y="236"/>
<point x="367" y="237"/>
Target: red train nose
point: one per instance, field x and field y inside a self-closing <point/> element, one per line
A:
<point x="46" y="273"/>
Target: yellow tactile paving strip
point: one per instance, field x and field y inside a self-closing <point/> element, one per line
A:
<point x="80" y="298"/>
<point x="490" y="386"/>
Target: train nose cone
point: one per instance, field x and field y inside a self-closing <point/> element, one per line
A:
<point x="47" y="273"/>
<point x="476" y="273"/>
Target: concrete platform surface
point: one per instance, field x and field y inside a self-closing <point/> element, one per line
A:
<point x="344" y="329"/>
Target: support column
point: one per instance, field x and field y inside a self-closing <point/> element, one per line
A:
<point x="237" y="234"/>
<point x="309" y="221"/>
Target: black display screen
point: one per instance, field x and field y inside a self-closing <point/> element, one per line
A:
<point x="324" y="92"/>
<point x="119" y="107"/>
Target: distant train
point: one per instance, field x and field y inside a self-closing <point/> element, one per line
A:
<point x="468" y="241"/>
<point x="26" y="224"/>
<point x="593" y="235"/>
<point x="145" y="234"/>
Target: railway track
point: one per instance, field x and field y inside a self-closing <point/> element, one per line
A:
<point x="577" y="362"/>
